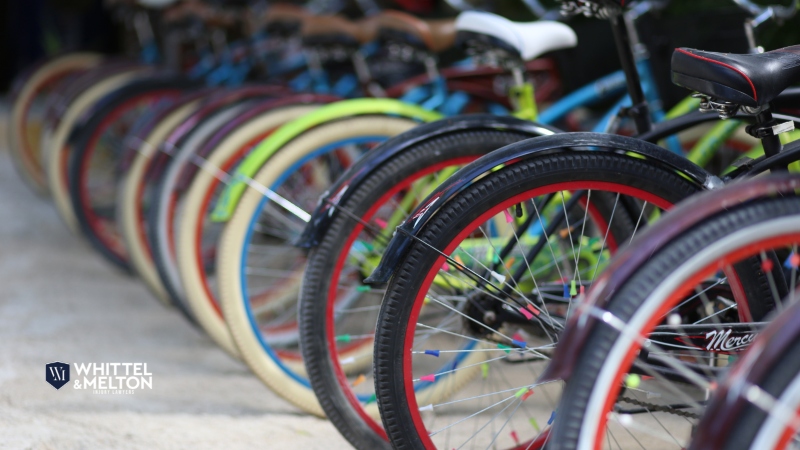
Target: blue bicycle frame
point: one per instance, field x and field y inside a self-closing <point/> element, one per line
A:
<point x="433" y="95"/>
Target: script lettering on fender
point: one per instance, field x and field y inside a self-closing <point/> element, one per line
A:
<point x="721" y="340"/>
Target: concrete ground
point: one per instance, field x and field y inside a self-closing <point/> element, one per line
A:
<point x="59" y="301"/>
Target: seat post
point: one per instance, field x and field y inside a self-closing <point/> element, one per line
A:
<point x="772" y="142"/>
<point x="638" y="111"/>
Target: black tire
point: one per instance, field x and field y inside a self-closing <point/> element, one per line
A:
<point x="80" y="141"/>
<point x="317" y="278"/>
<point x="456" y="215"/>
<point x="632" y="293"/>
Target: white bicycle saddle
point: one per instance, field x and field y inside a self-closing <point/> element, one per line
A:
<point x="530" y="39"/>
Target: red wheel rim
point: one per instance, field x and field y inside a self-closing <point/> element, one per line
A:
<point x="676" y="296"/>
<point x="411" y="400"/>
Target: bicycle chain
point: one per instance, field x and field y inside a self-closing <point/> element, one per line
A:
<point x="661" y="408"/>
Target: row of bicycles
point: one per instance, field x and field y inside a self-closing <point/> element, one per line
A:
<point x="439" y="251"/>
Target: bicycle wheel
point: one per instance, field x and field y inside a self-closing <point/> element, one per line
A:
<point x="146" y="197"/>
<point x="57" y="106"/>
<point x="131" y="226"/>
<point x="197" y="237"/>
<point x="334" y="304"/>
<point x="682" y="313"/>
<point x="521" y="244"/>
<point x="56" y="150"/>
<point x="259" y="271"/>
<point x="149" y="167"/>
<point x="94" y="160"/>
<point x="25" y="125"/>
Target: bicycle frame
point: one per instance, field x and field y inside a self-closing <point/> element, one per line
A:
<point x="608" y="86"/>
<point x="604" y="88"/>
<point x="592" y="142"/>
<point x="683" y="116"/>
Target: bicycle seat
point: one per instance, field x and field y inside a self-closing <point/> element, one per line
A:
<point x="748" y="80"/>
<point x="529" y="40"/>
<point x="338" y="30"/>
<point x="434" y="35"/>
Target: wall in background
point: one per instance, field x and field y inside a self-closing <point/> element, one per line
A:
<point x="32" y="29"/>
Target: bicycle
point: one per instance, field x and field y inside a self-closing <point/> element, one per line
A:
<point x="348" y="232"/>
<point x="568" y="189"/>
<point x="161" y="271"/>
<point x="33" y="86"/>
<point x="308" y="142"/>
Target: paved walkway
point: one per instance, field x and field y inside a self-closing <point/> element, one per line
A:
<point x="59" y="301"/>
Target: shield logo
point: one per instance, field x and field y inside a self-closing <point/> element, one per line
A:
<point x="57" y="374"/>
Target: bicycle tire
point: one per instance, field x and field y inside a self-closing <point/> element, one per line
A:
<point x="755" y="429"/>
<point x="315" y="297"/>
<point x="199" y="295"/>
<point x="128" y="192"/>
<point x="164" y="197"/>
<point x="56" y="151"/>
<point x="152" y="264"/>
<point x="487" y="197"/>
<point x="286" y="382"/>
<point x="636" y="294"/>
<point x="25" y="154"/>
<point x="146" y="171"/>
<point x="83" y="143"/>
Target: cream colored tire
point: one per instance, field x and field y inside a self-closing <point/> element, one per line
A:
<point x="128" y="205"/>
<point x="143" y="259"/>
<point x="26" y="154"/>
<point x="192" y="277"/>
<point x="229" y="260"/>
<point x="56" y="151"/>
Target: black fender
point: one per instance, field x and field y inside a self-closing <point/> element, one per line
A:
<point x="340" y="192"/>
<point x="510" y="154"/>
<point x="730" y="397"/>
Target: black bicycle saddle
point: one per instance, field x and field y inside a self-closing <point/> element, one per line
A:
<point x="748" y="80"/>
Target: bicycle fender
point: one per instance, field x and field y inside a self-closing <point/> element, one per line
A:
<point x="677" y="221"/>
<point x="347" y="108"/>
<point x="729" y="399"/>
<point x="327" y="207"/>
<point x="510" y="154"/>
